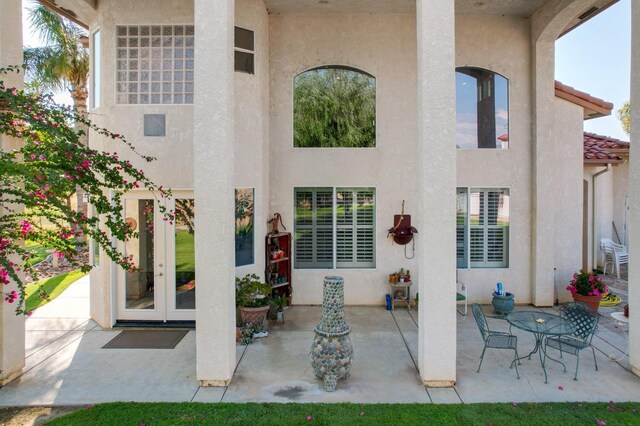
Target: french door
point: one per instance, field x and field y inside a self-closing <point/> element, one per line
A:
<point x="163" y="289"/>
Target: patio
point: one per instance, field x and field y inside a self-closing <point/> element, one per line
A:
<point x="66" y="365"/>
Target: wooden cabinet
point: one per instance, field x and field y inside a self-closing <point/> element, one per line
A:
<point x="278" y="264"/>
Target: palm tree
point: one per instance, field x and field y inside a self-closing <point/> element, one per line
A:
<point x="624" y="115"/>
<point x="61" y="65"/>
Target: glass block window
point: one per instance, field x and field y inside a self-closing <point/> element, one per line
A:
<point x="154" y="64"/>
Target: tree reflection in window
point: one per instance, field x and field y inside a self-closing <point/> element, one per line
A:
<point x="334" y="107"/>
<point x="482" y="109"/>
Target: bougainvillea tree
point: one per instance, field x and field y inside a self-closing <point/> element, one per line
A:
<point x="38" y="176"/>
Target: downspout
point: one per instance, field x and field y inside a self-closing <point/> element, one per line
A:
<point x="594" y="251"/>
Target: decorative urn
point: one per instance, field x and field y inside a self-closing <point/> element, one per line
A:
<point x="331" y="351"/>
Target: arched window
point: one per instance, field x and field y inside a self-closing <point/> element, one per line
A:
<point x="482" y="109"/>
<point x="334" y="107"/>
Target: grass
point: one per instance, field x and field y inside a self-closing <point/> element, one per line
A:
<point x="53" y="286"/>
<point x="128" y="413"/>
<point x="38" y="252"/>
<point x="185" y="260"/>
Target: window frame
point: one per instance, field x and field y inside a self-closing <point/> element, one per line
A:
<point x="334" y="227"/>
<point x="94" y="248"/>
<point x="508" y="108"/>
<point x="326" y="67"/>
<point x="237" y="49"/>
<point x="253" y="225"/>
<point x="96" y="69"/>
<point x="161" y="93"/>
<point x="467" y="231"/>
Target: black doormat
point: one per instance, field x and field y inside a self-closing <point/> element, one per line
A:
<point x="146" y="339"/>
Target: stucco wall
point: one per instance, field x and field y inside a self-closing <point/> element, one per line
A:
<point x="620" y="191"/>
<point x="603" y="210"/>
<point x="568" y="194"/>
<point x="503" y="47"/>
<point x="174" y="152"/>
<point x="302" y="41"/>
<point x="287" y="44"/>
<point x="252" y="126"/>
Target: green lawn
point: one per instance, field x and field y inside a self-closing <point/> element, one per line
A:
<point x="53" y="286"/>
<point x="354" y="414"/>
<point x="185" y="259"/>
<point x="38" y="252"/>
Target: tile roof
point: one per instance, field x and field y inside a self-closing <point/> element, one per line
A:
<point x="593" y="107"/>
<point x="600" y="150"/>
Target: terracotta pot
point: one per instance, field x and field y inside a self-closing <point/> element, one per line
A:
<point x="254" y="315"/>
<point x="591" y="301"/>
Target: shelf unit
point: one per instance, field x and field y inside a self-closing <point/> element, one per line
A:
<point x="401" y="292"/>
<point x="278" y="264"/>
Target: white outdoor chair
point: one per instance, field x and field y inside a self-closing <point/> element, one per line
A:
<point x="613" y="253"/>
<point x="461" y="297"/>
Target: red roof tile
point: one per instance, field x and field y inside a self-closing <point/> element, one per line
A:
<point x="603" y="149"/>
<point x="593" y="107"/>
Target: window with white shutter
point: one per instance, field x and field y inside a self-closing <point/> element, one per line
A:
<point x="482" y="238"/>
<point x="351" y="221"/>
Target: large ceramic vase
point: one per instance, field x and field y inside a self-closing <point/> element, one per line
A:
<point x="591" y="301"/>
<point x="331" y="351"/>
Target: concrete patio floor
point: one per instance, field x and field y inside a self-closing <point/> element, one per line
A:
<point x="66" y="365"/>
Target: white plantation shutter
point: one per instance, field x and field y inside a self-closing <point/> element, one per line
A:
<point x="355" y="226"/>
<point x="489" y="228"/>
<point x="313" y="228"/>
<point x="354" y="220"/>
<point x="462" y="227"/>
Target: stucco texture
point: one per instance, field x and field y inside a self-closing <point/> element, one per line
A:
<point x="302" y="41"/>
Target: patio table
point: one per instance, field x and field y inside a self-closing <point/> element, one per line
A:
<point x="540" y="324"/>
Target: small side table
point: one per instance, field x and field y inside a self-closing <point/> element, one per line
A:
<point x="401" y="292"/>
<point x="623" y="321"/>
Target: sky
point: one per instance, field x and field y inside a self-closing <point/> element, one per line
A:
<point x="594" y="58"/>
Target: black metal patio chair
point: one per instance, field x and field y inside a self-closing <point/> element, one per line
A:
<point x="494" y="339"/>
<point x="586" y="322"/>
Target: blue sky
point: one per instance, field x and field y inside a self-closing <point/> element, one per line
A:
<point x="596" y="58"/>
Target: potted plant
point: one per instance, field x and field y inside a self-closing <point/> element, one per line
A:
<point x="277" y="307"/>
<point x="252" y="299"/>
<point x="588" y="288"/>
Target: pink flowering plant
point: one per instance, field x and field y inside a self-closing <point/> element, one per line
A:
<point x="40" y="169"/>
<point x="587" y="284"/>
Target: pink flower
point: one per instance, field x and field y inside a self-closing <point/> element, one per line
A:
<point x="25" y="227"/>
<point x="600" y="422"/>
<point x="514" y="404"/>
<point x="560" y="388"/>
<point x="309" y="418"/>
<point x="58" y="254"/>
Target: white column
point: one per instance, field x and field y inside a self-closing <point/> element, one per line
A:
<point x="543" y="209"/>
<point x="11" y="326"/>
<point x="435" y="20"/>
<point x="214" y="192"/>
<point x="634" y="194"/>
